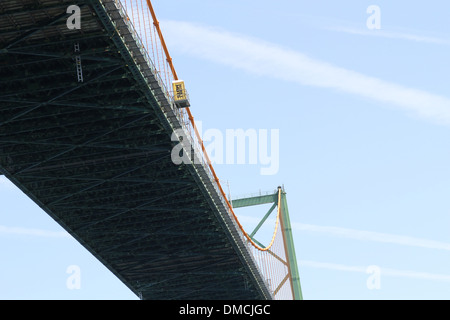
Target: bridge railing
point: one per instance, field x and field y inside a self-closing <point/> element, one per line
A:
<point x="142" y="23"/>
<point x="146" y="32"/>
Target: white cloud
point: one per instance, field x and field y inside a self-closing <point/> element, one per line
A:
<point x="365" y="235"/>
<point x="271" y="60"/>
<point x="361" y="235"/>
<point x="383" y="271"/>
<point x="345" y="26"/>
<point x="331" y="266"/>
<point x="390" y="35"/>
<point x="32" y="232"/>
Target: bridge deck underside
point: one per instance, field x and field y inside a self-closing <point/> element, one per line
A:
<point x="95" y="156"/>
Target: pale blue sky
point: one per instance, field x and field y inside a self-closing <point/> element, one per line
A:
<point x="364" y="121"/>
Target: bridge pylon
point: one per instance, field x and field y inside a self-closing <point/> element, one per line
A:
<point x="277" y="260"/>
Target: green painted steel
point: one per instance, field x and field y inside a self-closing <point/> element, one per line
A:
<point x="289" y="243"/>
<point x="263" y="220"/>
<point x="253" y="201"/>
<point x="287" y="232"/>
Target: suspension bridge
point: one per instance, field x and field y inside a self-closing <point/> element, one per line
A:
<point x="90" y="103"/>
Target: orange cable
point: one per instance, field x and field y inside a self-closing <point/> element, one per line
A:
<point x="191" y="118"/>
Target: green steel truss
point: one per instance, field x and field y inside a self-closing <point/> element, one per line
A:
<point x="285" y="228"/>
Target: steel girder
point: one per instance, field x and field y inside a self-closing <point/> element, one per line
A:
<point x="95" y="155"/>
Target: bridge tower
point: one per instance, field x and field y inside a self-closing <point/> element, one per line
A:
<point x="281" y="247"/>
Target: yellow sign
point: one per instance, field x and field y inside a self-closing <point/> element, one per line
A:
<point x="179" y="91"/>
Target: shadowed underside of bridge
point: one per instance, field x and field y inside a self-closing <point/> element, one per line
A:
<point x="95" y="155"/>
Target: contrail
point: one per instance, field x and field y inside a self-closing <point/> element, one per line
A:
<point x="271" y="60"/>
